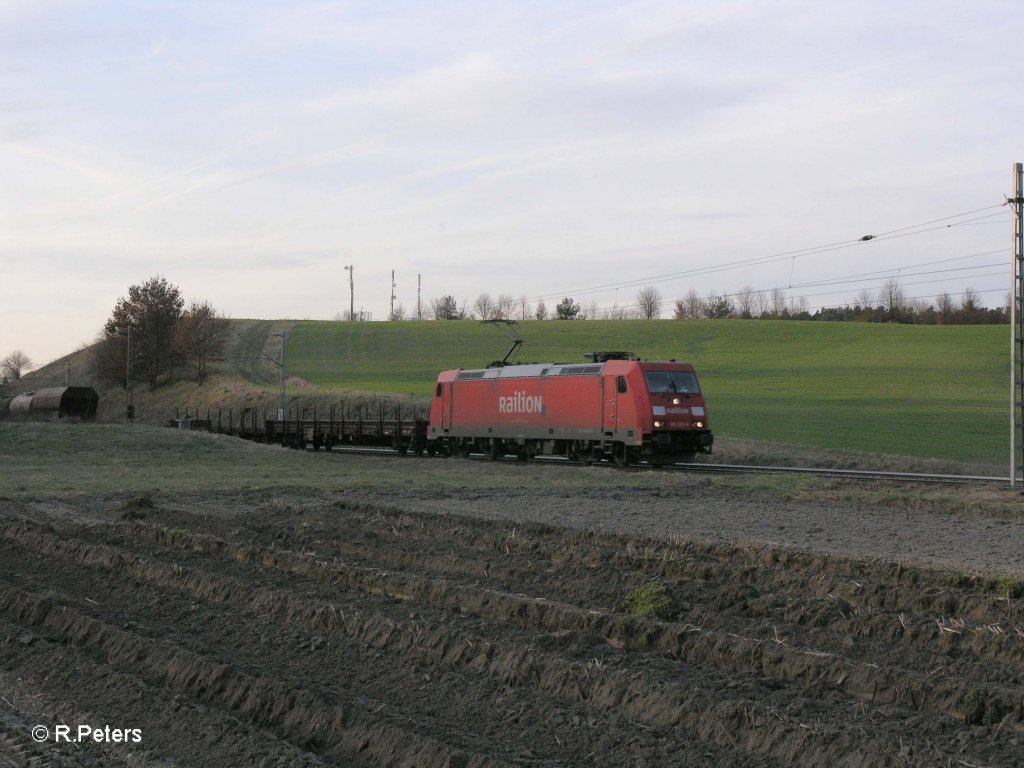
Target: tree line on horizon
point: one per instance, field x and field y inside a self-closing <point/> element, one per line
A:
<point x="166" y="335"/>
<point x="888" y="305"/>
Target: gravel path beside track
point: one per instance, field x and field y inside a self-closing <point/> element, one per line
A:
<point x="701" y="511"/>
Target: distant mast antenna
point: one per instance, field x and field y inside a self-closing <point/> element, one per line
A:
<point x="351" y="292"/>
<point x="391" y="311"/>
<point x="419" y="290"/>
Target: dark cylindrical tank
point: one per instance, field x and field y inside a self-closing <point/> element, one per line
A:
<point x="21" y="404"/>
<point x="65" y="403"/>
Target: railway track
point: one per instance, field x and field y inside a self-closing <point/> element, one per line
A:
<point x="747" y="469"/>
<point x="855" y="474"/>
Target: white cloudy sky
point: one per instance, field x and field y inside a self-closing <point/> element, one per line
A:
<point x="247" y="151"/>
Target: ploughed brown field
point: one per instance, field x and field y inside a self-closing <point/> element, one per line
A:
<point x="497" y="627"/>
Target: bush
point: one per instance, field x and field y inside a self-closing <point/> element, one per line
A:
<point x="651" y="599"/>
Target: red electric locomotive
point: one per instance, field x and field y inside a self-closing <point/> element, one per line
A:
<point x="615" y="407"/>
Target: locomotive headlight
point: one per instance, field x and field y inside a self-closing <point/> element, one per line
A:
<point x="698" y="424"/>
<point x="659" y="424"/>
<point x="675" y="401"/>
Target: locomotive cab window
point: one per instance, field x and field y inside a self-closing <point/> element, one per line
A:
<point x="622" y="384"/>
<point x="440" y="390"/>
<point x="669" y="382"/>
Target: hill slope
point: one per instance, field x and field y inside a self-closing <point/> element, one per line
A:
<point x="933" y="391"/>
<point x="925" y="391"/>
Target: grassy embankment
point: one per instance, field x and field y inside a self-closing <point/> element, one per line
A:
<point x="46" y="459"/>
<point x="936" y="392"/>
<point x="933" y="392"/>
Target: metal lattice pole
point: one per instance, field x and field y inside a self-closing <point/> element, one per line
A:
<point x="1017" y="331"/>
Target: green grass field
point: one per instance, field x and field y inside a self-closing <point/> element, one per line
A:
<point x="67" y="459"/>
<point x="929" y="391"/>
<point x="42" y="459"/>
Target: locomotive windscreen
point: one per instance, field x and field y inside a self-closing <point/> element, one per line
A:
<point x="666" y="382"/>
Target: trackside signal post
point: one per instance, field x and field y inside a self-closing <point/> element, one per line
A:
<point x="1017" y="331"/>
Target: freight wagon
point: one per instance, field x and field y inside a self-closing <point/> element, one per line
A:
<point x="52" y="404"/>
<point x="393" y="428"/>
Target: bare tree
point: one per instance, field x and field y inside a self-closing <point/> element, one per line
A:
<point x="969" y="301"/>
<point x="745" y="302"/>
<point x="503" y="307"/>
<point x="524" y="307"/>
<point x="778" y="302"/>
<point x="648" y="301"/>
<point x="945" y="307"/>
<point x="200" y="336"/>
<point x="892" y="298"/>
<point x="15" y="364"/>
<point x="918" y="307"/>
<point x="693" y="305"/>
<point x="865" y="299"/>
<point x="622" y="313"/>
<point x="763" y="303"/>
<point x="484" y="306"/>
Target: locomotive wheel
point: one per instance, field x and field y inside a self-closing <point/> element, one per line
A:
<point x="620" y="455"/>
<point x="577" y="453"/>
<point x="581" y="452"/>
<point x="464" y="450"/>
<point x="493" y="451"/>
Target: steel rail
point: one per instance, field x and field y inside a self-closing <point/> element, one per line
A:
<point x="856" y="474"/>
<point x="743" y="469"/>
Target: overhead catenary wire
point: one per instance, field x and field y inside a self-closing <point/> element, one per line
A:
<point x="907" y="231"/>
<point x="872" y="279"/>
